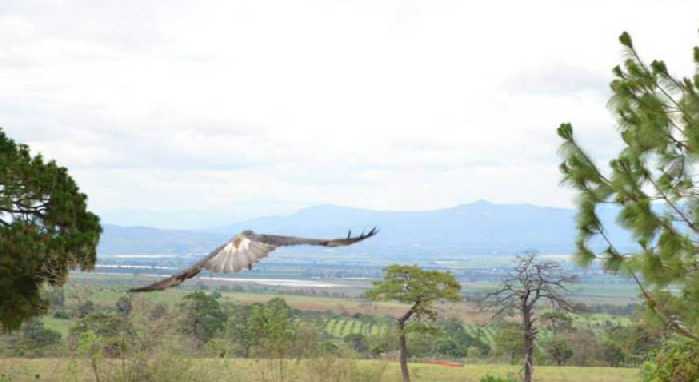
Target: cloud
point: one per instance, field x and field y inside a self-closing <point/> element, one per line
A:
<point x="559" y="80"/>
<point x="227" y="107"/>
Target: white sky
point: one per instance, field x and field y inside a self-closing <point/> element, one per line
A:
<point x="183" y="113"/>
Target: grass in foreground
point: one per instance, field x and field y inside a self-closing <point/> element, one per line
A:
<point x="312" y="370"/>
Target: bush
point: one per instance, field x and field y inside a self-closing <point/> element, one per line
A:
<point x="85" y="309"/>
<point x="61" y="315"/>
<point x="473" y="352"/>
<point x="165" y="366"/>
<point x="491" y="378"/>
<point x="113" y="331"/>
<point x="357" y="342"/>
<point x="36" y="340"/>
<point x="341" y="368"/>
<point x="677" y="361"/>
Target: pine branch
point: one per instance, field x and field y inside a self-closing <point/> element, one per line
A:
<point x="644" y="67"/>
<point x="672" y="205"/>
<point x="650" y="301"/>
<point x="652" y="304"/>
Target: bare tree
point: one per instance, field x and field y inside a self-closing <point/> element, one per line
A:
<point x="529" y="283"/>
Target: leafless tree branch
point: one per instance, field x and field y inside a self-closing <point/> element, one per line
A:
<point x="529" y="283"/>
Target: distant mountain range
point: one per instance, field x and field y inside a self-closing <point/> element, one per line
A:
<point x="479" y="228"/>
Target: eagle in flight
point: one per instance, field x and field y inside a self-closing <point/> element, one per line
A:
<point x="243" y="251"/>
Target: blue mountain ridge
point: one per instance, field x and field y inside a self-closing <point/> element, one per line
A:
<point x="479" y="228"/>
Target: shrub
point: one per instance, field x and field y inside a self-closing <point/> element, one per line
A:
<point x="492" y="378"/>
<point x="342" y="368"/>
<point x="473" y="352"/>
<point x="677" y="361"/>
<point x="164" y="365"/>
<point x="61" y="314"/>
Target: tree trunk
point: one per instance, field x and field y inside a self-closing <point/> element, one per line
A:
<point x="403" y="352"/>
<point x="93" y="363"/>
<point x="529" y="335"/>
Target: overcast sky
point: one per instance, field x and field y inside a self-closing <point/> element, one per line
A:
<point x="192" y="114"/>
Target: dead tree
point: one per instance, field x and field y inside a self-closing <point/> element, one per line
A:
<point x="530" y="282"/>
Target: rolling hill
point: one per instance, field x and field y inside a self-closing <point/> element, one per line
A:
<point x="479" y="228"/>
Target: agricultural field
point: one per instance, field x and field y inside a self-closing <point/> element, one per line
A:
<point x="339" y="315"/>
<point x="340" y="327"/>
<point x="592" y="289"/>
<point x="106" y="295"/>
<point x="331" y="317"/>
<point x="485" y="334"/>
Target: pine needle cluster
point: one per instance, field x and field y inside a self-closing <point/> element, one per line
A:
<point x="652" y="180"/>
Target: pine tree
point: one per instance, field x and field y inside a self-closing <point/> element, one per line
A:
<point x="45" y="231"/>
<point x="652" y="180"/>
<point x="421" y="290"/>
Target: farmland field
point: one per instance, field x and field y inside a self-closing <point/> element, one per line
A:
<point x="340" y="327"/>
<point x="339" y="314"/>
<point x="107" y="296"/>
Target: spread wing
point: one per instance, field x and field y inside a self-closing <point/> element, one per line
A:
<point x="279" y="241"/>
<point x="245" y="250"/>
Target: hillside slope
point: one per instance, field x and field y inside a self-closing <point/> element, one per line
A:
<point x="470" y="229"/>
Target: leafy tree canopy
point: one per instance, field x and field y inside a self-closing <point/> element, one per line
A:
<point x="419" y="288"/>
<point x="273" y="326"/>
<point x="203" y="317"/>
<point x="653" y="181"/>
<point x="45" y="231"/>
<point x="410" y="284"/>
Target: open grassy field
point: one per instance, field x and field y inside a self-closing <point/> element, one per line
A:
<point x="469" y="313"/>
<point x="614" y="293"/>
<point x="262" y="370"/>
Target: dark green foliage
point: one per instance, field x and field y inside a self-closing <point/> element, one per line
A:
<point x="451" y="339"/>
<point x="421" y="290"/>
<point x="383" y="343"/>
<point x="269" y="330"/>
<point x="653" y="181"/>
<point x="414" y="286"/>
<point x="123" y="305"/>
<point x="509" y="342"/>
<point x="633" y="342"/>
<point x="559" y="349"/>
<point x="329" y="348"/>
<point x="492" y="378"/>
<point x="36" y="337"/>
<point x="45" y="231"/>
<point x="203" y="318"/>
<point x="113" y="330"/>
<point x="86" y="308"/>
<point x="559" y="346"/>
<point x="273" y="327"/>
<point x="357" y="342"/>
<point x="447" y="338"/>
<point x="61" y="314"/>
<point x="239" y="331"/>
<point x="613" y="353"/>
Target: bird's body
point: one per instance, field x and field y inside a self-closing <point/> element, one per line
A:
<point x="243" y="251"/>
